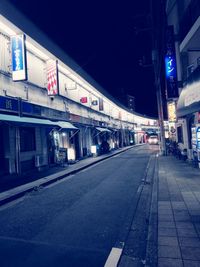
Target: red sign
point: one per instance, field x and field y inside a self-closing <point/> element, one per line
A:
<point x="52" y="77"/>
<point x="83" y="100"/>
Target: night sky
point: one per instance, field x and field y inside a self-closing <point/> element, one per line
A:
<point x="107" y="39"/>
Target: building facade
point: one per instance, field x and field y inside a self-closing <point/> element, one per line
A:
<point x="51" y="111"/>
<point x="184" y="15"/>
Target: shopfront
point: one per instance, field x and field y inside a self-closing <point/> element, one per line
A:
<point x="101" y="139"/>
<point x="4" y="147"/>
<point x="32" y="143"/>
<point x="188" y="108"/>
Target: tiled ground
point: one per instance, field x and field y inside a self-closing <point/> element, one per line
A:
<point x="178" y="214"/>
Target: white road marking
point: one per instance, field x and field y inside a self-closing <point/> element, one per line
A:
<point x="113" y="257"/>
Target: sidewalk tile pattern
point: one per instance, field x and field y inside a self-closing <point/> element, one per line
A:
<point x="178" y="214"/>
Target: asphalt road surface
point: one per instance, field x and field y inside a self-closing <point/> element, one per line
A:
<point x="76" y="221"/>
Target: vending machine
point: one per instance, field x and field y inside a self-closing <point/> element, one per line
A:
<point x="198" y="142"/>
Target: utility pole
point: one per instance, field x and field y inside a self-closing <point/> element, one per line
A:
<point x="157" y="60"/>
<point x="157" y="24"/>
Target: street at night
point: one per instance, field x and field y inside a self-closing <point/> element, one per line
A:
<point x="100" y="133"/>
<point x="77" y="221"/>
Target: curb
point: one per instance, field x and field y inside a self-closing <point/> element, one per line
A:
<point x="132" y="255"/>
<point x="152" y="238"/>
<point x="21" y="190"/>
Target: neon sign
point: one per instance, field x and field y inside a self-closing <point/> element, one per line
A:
<point x="170" y="66"/>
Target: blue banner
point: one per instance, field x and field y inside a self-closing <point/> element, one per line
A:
<point x="170" y="64"/>
<point x="18" y="58"/>
<point x="9" y="104"/>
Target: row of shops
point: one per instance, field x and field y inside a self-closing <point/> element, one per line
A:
<point x="29" y="142"/>
<point x="188" y="124"/>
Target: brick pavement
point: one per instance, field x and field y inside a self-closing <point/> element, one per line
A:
<point x="178" y="214"/>
<point x="173" y="238"/>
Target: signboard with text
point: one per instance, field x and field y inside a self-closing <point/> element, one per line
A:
<point x="9" y="104"/>
<point x="171" y="108"/>
<point x="18" y="53"/>
<point x="170" y="65"/>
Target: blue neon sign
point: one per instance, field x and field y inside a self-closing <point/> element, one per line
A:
<point x="170" y="66"/>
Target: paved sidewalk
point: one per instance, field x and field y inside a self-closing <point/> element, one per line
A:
<point x="18" y="186"/>
<point x="173" y="220"/>
<point x="178" y="202"/>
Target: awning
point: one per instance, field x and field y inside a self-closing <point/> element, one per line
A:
<point x="18" y="119"/>
<point x="66" y="125"/>
<point x="103" y="129"/>
<point x="189" y="100"/>
<point x="28" y="120"/>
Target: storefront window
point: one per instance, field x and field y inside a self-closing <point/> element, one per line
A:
<point x="27" y="139"/>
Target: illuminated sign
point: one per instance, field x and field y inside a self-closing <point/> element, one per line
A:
<point x="19" y="72"/>
<point x="52" y="77"/>
<point x="198" y="137"/>
<point x="170" y="64"/>
<point x="84" y="100"/>
<point x="171" y="107"/>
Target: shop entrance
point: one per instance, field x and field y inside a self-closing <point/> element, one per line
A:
<point x="51" y="144"/>
<point x="3" y="163"/>
<point x="77" y="145"/>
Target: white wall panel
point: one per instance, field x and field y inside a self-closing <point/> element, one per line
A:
<point x="36" y="70"/>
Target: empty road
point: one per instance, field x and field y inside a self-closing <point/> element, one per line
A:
<point x="77" y="221"/>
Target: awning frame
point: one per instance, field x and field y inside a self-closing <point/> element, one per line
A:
<point x="37" y="121"/>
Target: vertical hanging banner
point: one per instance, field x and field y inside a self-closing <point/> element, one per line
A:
<point x="18" y="54"/>
<point x="171" y="108"/>
<point x="52" y="77"/>
<point x="170" y="64"/>
<point x="100" y="104"/>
